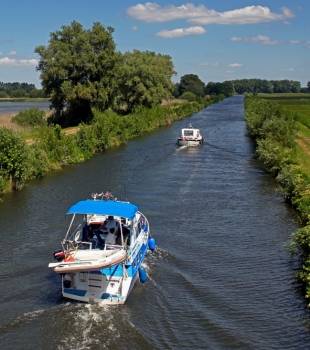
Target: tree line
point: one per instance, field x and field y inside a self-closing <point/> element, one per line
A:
<point x="191" y="85"/>
<point x="11" y="90"/>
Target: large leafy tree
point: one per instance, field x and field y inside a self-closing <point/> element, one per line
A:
<point x="77" y="69"/>
<point x="191" y="83"/>
<point x="143" y="79"/>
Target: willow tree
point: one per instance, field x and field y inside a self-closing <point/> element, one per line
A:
<point x="77" y="69"/>
<point x="143" y="79"/>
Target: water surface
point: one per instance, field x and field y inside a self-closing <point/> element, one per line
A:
<point x="222" y="277"/>
<point x="12" y="107"/>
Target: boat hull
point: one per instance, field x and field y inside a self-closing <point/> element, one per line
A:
<point x="110" y="285"/>
<point x="189" y="143"/>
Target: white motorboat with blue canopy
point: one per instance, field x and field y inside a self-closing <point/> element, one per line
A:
<point x="103" y="250"/>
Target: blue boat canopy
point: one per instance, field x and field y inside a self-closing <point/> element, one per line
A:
<point x="104" y="207"/>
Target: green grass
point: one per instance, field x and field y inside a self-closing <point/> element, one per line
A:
<point x="298" y="104"/>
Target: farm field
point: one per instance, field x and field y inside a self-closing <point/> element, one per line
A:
<point x="299" y="105"/>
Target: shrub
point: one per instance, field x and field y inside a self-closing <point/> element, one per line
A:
<point x="188" y="96"/>
<point x="30" y="117"/>
<point x="13" y="158"/>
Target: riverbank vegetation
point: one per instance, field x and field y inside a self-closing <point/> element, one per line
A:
<point x="100" y="98"/>
<point x="282" y="134"/>
<point x="51" y="147"/>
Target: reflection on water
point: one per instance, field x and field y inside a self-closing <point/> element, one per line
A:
<point x="221" y="279"/>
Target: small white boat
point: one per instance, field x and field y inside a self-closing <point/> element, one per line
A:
<point x="190" y="137"/>
<point x="101" y="255"/>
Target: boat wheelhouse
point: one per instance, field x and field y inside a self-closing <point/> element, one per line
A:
<point x="103" y="250"/>
<point x="190" y="137"/>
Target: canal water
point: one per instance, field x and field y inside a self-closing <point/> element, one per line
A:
<point x="222" y="277"/>
<point x="12" y="107"/>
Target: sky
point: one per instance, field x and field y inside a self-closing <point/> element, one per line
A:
<point x="218" y="40"/>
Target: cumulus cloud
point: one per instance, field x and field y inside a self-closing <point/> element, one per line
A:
<point x="235" y="65"/>
<point x="14" y="62"/>
<point x="258" y="39"/>
<point x="179" y="32"/>
<point x="201" y="15"/>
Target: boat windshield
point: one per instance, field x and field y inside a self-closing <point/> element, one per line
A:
<point x="98" y="232"/>
<point x="188" y="132"/>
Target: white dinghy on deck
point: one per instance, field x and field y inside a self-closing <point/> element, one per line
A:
<point x="101" y="255"/>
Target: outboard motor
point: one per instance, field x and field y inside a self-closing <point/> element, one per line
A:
<point x="142" y="275"/>
<point x="151" y="244"/>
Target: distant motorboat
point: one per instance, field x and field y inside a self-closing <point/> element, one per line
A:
<point x="190" y="137"/>
<point x="101" y="256"/>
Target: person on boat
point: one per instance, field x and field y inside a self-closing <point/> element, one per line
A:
<point x="112" y="227"/>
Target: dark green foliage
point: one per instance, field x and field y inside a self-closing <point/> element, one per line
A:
<point x="191" y="83"/>
<point x="77" y="69"/>
<point x="13" y="159"/>
<point x="19" y="90"/>
<point x="265" y="86"/>
<point x="226" y="89"/>
<point x="143" y="79"/>
<point x="30" y="117"/>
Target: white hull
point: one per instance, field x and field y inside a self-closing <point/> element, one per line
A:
<point x="97" y="288"/>
<point x="190" y="143"/>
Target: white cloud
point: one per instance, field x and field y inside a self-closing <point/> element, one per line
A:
<point x="12" y="53"/>
<point x="235" y="65"/>
<point x="179" y="32"/>
<point x="295" y="42"/>
<point x="201" y="15"/>
<point x="258" y="39"/>
<point x="135" y="28"/>
<point x="14" y="62"/>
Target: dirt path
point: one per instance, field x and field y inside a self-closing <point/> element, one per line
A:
<point x="304" y="144"/>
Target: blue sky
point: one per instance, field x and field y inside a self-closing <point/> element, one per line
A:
<point x="218" y="40"/>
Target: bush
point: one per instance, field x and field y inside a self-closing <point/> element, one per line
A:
<point x="30" y="117"/>
<point x="188" y="96"/>
<point x="13" y="158"/>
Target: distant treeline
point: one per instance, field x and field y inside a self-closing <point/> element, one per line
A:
<point x="193" y="84"/>
<point x="265" y="86"/>
<point x="15" y="90"/>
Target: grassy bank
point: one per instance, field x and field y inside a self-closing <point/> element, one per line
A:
<point x="33" y="152"/>
<point x="279" y="125"/>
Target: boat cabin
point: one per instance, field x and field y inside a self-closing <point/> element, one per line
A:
<point x="190" y="133"/>
<point x="104" y="224"/>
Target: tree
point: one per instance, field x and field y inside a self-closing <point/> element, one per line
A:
<point x="192" y="83"/>
<point x="143" y="79"/>
<point x="77" y="69"/>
